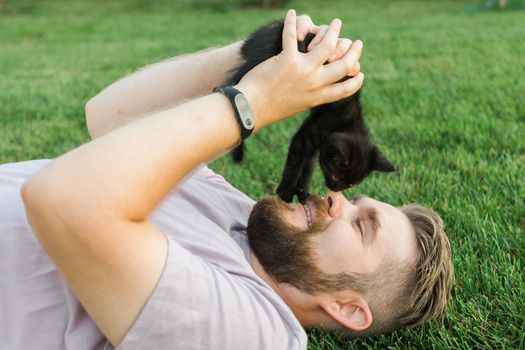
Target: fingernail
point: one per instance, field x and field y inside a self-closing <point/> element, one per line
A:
<point x="300" y="36"/>
<point x="333" y="57"/>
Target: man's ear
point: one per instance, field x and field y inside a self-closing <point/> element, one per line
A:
<point x="354" y="314"/>
<point x="379" y="162"/>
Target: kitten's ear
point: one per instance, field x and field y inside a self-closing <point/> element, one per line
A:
<point x="379" y="162"/>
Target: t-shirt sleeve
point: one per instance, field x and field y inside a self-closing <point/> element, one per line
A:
<point x="198" y="305"/>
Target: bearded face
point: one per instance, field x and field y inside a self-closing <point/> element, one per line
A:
<point x="288" y="253"/>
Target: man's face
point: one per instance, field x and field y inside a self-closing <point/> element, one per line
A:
<point x="312" y="248"/>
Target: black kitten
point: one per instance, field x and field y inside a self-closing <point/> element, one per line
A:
<point x="336" y="131"/>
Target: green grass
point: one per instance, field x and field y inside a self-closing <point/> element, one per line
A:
<point x="443" y="98"/>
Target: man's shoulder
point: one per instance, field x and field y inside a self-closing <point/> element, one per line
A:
<point x="203" y="306"/>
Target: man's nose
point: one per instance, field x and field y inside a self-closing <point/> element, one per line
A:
<point x="336" y="204"/>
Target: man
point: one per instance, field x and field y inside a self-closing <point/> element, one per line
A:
<point x="147" y="246"/>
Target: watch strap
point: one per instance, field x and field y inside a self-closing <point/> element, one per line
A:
<point x="243" y="112"/>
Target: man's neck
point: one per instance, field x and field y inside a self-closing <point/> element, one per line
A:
<point x="284" y="291"/>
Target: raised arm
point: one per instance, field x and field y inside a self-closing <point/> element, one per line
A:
<point x="159" y="86"/>
<point x="89" y="208"/>
<point x="172" y="82"/>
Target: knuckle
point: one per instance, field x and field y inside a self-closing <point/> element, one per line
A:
<point x="354" y="70"/>
<point x="351" y="60"/>
<point x="358" y="85"/>
<point x="349" y="89"/>
<point x="327" y="51"/>
<point x="331" y="45"/>
<point x="349" y="65"/>
<point x="320" y="34"/>
<point x="357" y="69"/>
<point x="345" y="42"/>
<point x="342" y="48"/>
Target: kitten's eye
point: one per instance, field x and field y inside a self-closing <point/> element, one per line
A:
<point x="335" y="178"/>
<point x="341" y="164"/>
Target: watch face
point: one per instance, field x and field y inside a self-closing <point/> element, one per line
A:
<point x="245" y="111"/>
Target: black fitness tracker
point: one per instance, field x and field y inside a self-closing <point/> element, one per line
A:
<point x="240" y="104"/>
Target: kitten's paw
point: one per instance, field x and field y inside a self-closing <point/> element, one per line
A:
<point x="285" y="193"/>
<point x="302" y="195"/>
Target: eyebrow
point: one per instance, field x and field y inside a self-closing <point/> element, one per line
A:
<point x="356" y="198"/>
<point x="372" y="215"/>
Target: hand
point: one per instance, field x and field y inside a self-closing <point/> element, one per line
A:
<point x="305" y="25"/>
<point x="292" y="81"/>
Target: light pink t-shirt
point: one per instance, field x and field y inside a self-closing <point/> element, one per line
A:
<point x="208" y="296"/>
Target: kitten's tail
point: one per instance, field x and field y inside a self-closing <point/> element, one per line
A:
<point x="238" y="153"/>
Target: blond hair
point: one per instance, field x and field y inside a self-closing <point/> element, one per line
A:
<point x="434" y="273"/>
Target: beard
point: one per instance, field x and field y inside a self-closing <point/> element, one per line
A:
<point x="287" y="253"/>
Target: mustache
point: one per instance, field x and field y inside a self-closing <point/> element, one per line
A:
<point x="279" y="207"/>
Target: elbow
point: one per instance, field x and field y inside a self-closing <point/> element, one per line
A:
<point x="36" y="194"/>
<point x="26" y="192"/>
<point x="45" y="206"/>
<point x="34" y="200"/>
<point x="29" y="191"/>
<point x="91" y="121"/>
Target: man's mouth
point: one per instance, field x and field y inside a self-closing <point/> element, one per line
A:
<point x="308" y="213"/>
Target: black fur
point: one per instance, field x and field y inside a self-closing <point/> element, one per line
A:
<point x="336" y="131"/>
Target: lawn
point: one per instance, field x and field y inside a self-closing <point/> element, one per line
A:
<point x="443" y="98"/>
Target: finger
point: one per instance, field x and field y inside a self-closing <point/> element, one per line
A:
<point x="304" y="25"/>
<point x="355" y="70"/>
<point x="326" y="47"/>
<point x="318" y="36"/>
<point x="338" y="91"/>
<point x="344" y="66"/>
<point x="290" y="32"/>
<point x="314" y="29"/>
<point x="343" y="45"/>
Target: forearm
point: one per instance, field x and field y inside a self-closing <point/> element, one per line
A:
<point x="160" y="86"/>
<point x="112" y="178"/>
